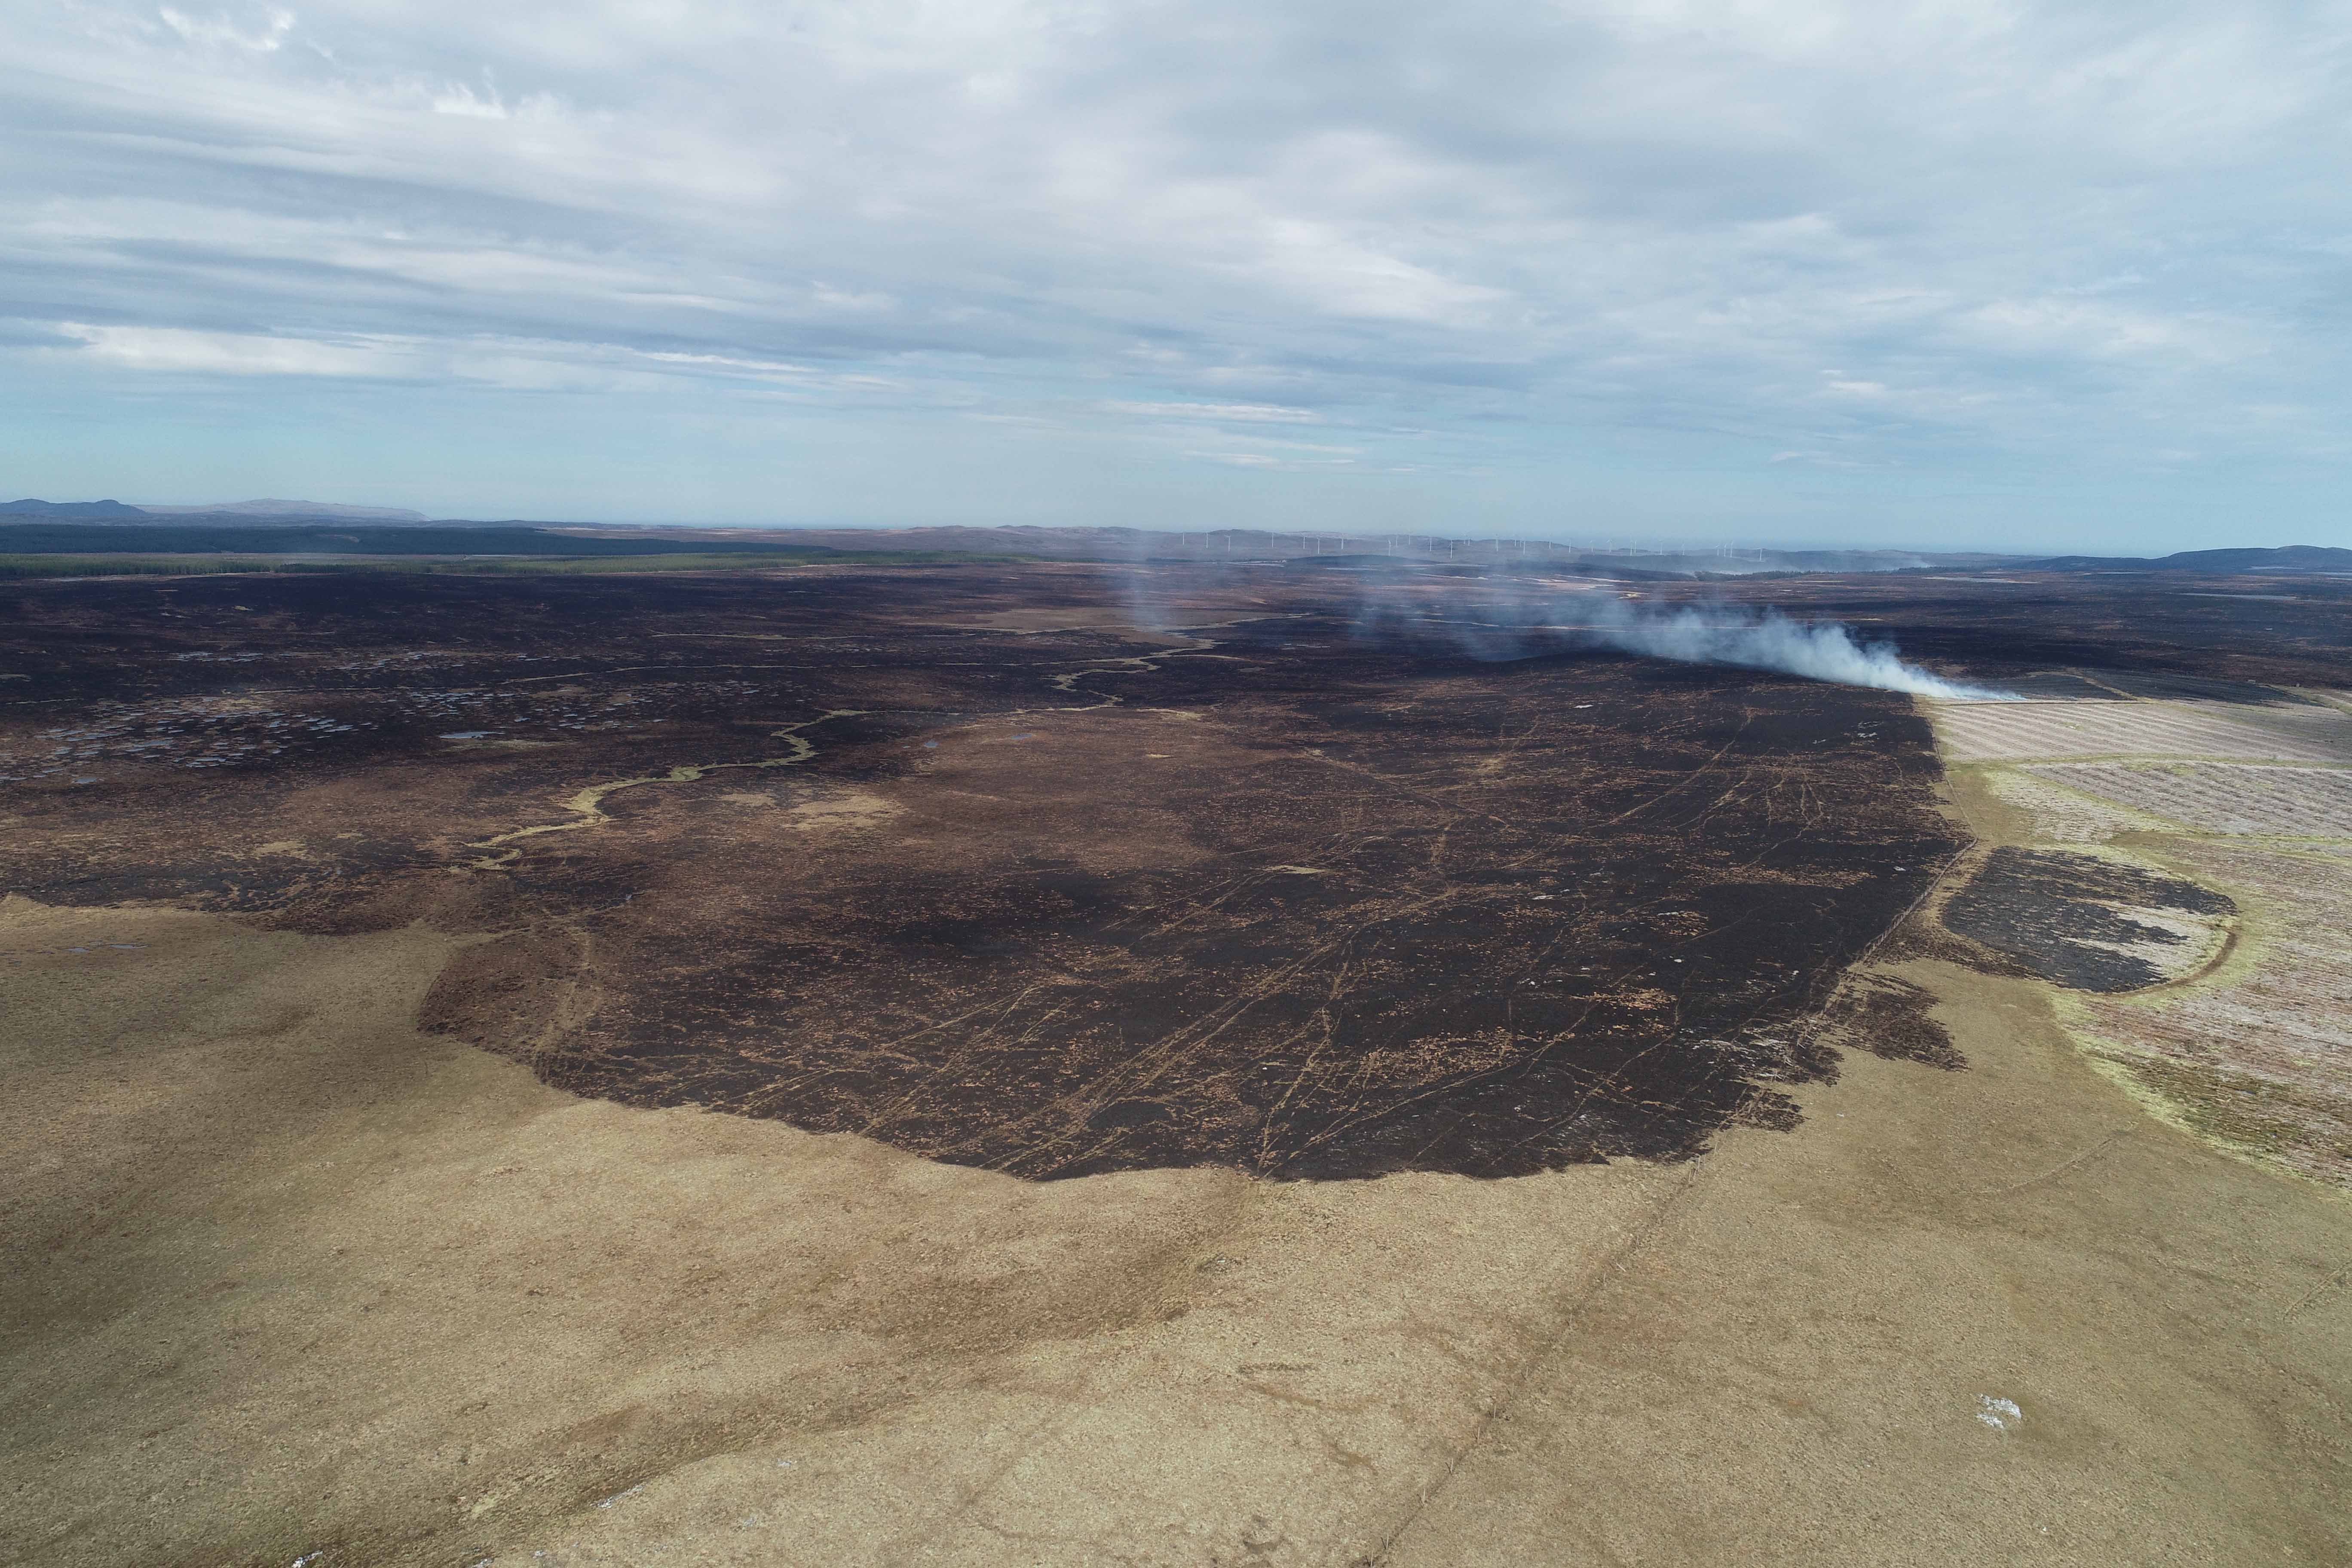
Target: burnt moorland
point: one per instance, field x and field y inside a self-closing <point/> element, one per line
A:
<point x="1059" y="868"/>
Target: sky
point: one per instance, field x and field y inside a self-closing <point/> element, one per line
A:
<point x="1937" y="275"/>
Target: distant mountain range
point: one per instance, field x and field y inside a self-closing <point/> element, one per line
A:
<point x="271" y="523"/>
<point x="2222" y="562"/>
<point x="225" y="534"/>
<point x="273" y="507"/>
<point x="72" y="509"/>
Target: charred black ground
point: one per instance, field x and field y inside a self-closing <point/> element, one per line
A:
<point x="2066" y="916"/>
<point x="948" y="858"/>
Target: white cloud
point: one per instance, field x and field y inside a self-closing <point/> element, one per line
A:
<point x="460" y="98"/>
<point x="1234" y="412"/>
<point x="221" y="30"/>
<point x="519" y="364"/>
<point x="2095" y="329"/>
<point x="1274" y="461"/>
<point x="232" y="353"/>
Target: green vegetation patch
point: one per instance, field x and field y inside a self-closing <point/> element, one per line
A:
<point x="21" y="566"/>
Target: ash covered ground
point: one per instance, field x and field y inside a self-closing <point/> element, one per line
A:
<point x="1060" y="869"/>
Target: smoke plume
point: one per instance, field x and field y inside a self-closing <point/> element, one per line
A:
<point x="1498" y="618"/>
<point x="1819" y="650"/>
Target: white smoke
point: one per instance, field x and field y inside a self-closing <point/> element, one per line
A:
<point x="1500" y="619"/>
<point x="1819" y="650"/>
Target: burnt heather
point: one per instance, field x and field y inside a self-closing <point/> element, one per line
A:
<point x="955" y="859"/>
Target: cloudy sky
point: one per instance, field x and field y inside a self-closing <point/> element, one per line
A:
<point x="1969" y="272"/>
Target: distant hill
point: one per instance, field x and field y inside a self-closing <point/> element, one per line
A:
<point x="231" y="534"/>
<point x="72" y="508"/>
<point x="1335" y="551"/>
<point x="2284" y="558"/>
<point x="276" y="507"/>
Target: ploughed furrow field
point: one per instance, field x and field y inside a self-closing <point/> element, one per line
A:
<point x="2261" y="1057"/>
<point x="2062" y="815"/>
<point x="2235" y="799"/>
<point x="2010" y="732"/>
<point x="2245" y="1040"/>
